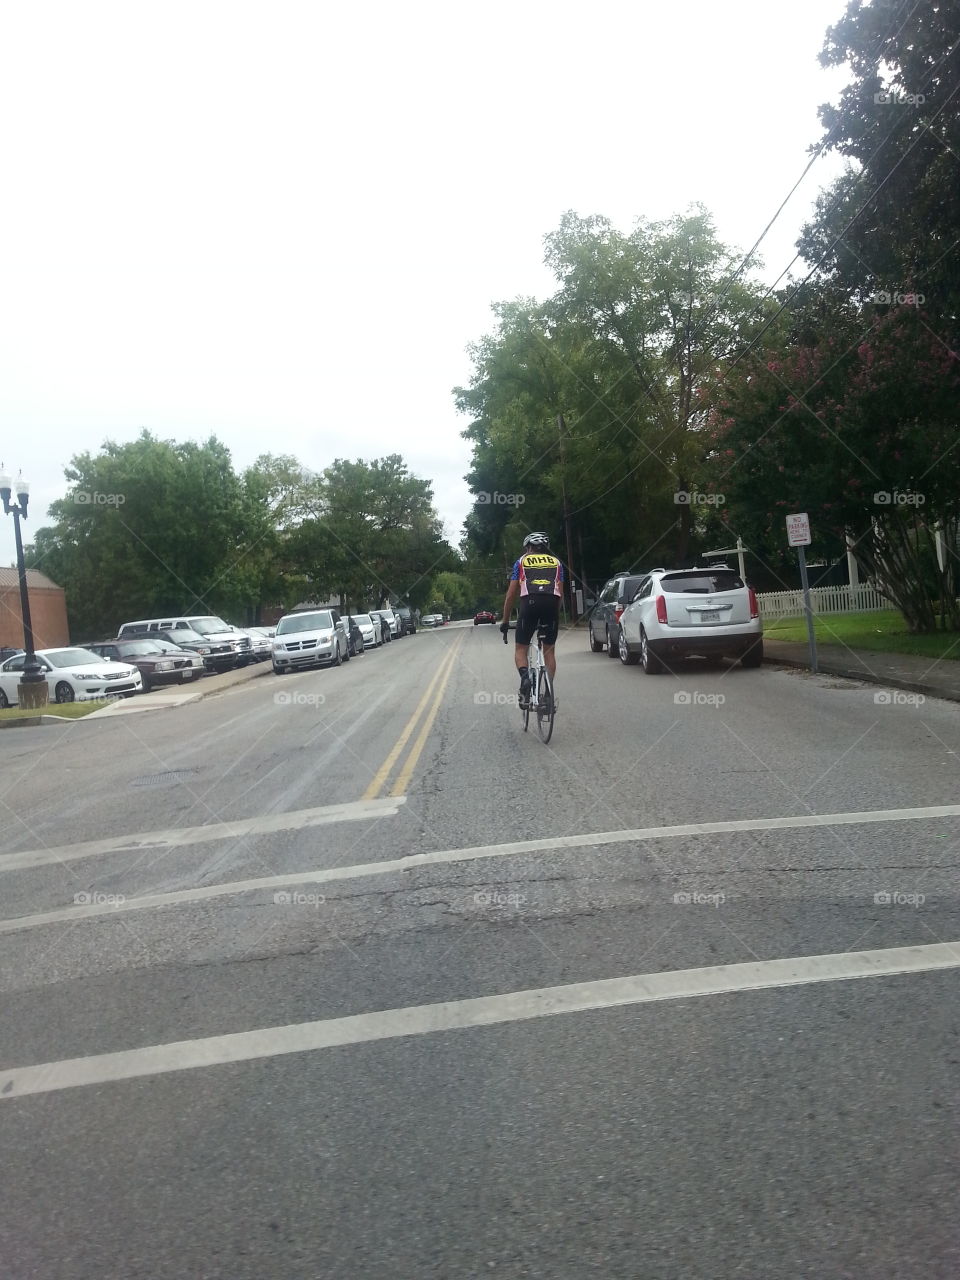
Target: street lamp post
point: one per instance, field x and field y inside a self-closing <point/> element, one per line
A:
<point x="33" y="692"/>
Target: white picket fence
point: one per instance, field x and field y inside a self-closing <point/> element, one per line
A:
<point x="789" y="604"/>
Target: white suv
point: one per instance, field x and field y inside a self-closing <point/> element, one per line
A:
<point x="680" y="613"/>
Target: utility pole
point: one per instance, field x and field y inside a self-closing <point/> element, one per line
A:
<point x="566" y="519"/>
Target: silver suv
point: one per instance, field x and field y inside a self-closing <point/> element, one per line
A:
<point x="680" y="613"/>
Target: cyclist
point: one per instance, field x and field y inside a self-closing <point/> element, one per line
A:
<point x="537" y="578"/>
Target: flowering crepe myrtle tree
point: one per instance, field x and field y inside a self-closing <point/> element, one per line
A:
<point x="858" y="427"/>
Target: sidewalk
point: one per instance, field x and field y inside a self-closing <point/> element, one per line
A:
<point x="929" y="676"/>
<point x="178" y="695"/>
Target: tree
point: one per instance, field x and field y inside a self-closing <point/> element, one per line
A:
<point x="862" y="433"/>
<point x="889" y="225"/>
<point x="369" y="532"/>
<point x="596" y="399"/>
<point x="149" y="527"/>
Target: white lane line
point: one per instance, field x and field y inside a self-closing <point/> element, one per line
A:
<point x="485" y="1011"/>
<point x="177" y="837"/>
<point x="359" y="871"/>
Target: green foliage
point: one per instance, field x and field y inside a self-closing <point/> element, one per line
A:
<point x="594" y="402"/>
<point x="154" y="527"/>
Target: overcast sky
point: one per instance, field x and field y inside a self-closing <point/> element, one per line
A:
<point x="281" y="223"/>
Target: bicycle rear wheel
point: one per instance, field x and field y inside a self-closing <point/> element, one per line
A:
<point x="545" y="708"/>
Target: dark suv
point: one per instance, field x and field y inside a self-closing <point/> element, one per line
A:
<point x="604" y="618"/>
<point x="408" y="625"/>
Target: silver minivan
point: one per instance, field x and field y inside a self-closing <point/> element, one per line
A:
<point x="315" y="637"/>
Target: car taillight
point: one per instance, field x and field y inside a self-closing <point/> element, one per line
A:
<point x="661" y="609"/>
<point x="617" y="612"/>
<point x="754" y="607"/>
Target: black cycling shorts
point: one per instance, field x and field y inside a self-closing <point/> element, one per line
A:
<point x="534" y="610"/>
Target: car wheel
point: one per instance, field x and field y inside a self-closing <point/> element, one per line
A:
<point x="338" y="660"/>
<point x="753" y="656"/>
<point x="4" y="700"/>
<point x="596" y="646"/>
<point x="626" y="657"/>
<point x="278" y="671"/>
<point x="651" y="664"/>
<point x="148" y="686"/>
<point x="64" y="692"/>
<point x="611" y="646"/>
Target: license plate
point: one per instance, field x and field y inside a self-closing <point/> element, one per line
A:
<point x="710" y="617"/>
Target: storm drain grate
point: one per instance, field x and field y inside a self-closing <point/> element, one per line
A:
<point x="171" y="779"/>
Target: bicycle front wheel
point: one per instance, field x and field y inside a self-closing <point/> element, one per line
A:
<point x="545" y="708"/>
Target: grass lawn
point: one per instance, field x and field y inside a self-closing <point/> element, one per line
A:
<point x="884" y="631"/>
<point x="67" y="710"/>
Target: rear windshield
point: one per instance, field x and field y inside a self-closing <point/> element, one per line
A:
<point x="703" y="583"/>
<point x="305" y="622"/>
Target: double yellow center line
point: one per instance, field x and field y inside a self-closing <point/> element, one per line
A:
<point x="436" y="688"/>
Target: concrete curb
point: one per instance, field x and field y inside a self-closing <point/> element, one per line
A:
<point x="863" y="675"/>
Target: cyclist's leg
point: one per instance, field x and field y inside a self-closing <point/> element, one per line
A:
<point x="526" y="630"/>
<point x="551" y="629"/>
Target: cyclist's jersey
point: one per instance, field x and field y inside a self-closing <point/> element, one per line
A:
<point x="539" y="574"/>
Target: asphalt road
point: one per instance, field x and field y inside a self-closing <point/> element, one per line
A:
<point x="639" y="1011"/>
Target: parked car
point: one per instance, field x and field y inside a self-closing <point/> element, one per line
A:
<point x="369" y="629"/>
<point x="432" y="620"/>
<point x="483" y="616"/>
<point x="604" y="618"/>
<point x="680" y="613"/>
<point x="73" y="675"/>
<point x="312" y="638"/>
<point x="392" y="619"/>
<point x="217" y="655"/>
<point x="6" y="652"/>
<point x="156" y="666"/>
<point x="408" y="623"/>
<point x="261" y="644"/>
<point x="380" y="617"/>
<point x="355" y="642"/>
<point x="212" y="628"/>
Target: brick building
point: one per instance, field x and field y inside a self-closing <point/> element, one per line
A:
<point x="48" y="611"/>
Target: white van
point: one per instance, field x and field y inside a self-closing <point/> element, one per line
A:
<point x="212" y="628"/>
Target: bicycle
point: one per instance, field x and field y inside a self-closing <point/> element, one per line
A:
<point x="541" y="689"/>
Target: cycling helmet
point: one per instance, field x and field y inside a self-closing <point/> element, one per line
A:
<point x="536" y="540"/>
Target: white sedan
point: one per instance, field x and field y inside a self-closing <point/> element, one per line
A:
<point x="73" y="675"/>
<point x="372" y="635"/>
